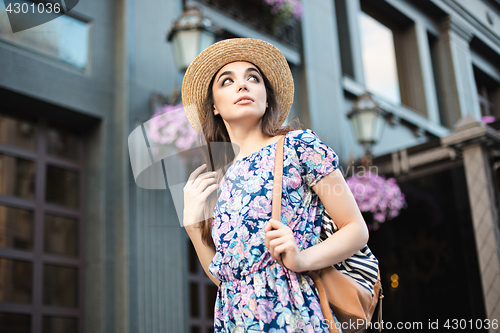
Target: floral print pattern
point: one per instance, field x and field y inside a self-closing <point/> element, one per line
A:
<point x="254" y="295"/>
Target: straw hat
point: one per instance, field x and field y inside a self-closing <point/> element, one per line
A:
<point x="262" y="54"/>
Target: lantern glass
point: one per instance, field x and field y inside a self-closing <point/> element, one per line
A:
<point x="378" y="127"/>
<point x="356" y="127"/>
<point x="206" y="39"/>
<point x="366" y="120"/>
<point x="188" y="44"/>
<point x="176" y="48"/>
<point x="368" y="126"/>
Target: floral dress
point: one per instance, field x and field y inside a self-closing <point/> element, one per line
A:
<point x="254" y="295"/>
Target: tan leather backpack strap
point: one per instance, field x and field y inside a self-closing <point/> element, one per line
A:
<point x="323" y="299"/>
<point x="278" y="179"/>
<point x="276" y="215"/>
<point x="380" y="298"/>
<point x="380" y="314"/>
<point x="277" y="184"/>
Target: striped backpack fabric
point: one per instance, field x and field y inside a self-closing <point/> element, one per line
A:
<point x="361" y="266"/>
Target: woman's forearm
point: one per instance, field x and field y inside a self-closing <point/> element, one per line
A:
<point x="205" y="253"/>
<point x="336" y="248"/>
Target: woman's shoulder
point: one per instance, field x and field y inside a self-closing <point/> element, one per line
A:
<point x="300" y="132"/>
<point x="302" y="135"/>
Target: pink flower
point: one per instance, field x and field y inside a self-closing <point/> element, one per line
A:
<point x="294" y="181"/>
<point x="225" y="224"/>
<point x="260" y="207"/>
<point x="265" y="310"/>
<point x="377" y="195"/>
<point x="297" y="10"/>
<point x="225" y="194"/>
<point x="294" y="7"/>
<point x="379" y="217"/>
<point x="314" y="156"/>
<point x="249" y="309"/>
<point x="487" y="119"/>
<point x="266" y="164"/>
<point x="169" y="125"/>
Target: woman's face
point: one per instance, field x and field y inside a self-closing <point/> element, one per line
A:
<point x="233" y="82"/>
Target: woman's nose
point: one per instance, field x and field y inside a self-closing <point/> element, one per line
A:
<point x="242" y="85"/>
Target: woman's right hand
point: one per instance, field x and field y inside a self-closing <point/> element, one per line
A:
<point x="196" y="192"/>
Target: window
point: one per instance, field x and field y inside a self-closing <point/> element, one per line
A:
<point x="379" y="58"/>
<point x="64" y="38"/>
<point x="486" y="69"/>
<point x="395" y="57"/>
<point x="202" y="295"/>
<point x="40" y="227"/>
<point x="488" y="91"/>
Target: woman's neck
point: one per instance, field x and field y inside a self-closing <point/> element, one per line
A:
<point x="250" y="142"/>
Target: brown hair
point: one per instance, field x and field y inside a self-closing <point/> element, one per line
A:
<point x="214" y="130"/>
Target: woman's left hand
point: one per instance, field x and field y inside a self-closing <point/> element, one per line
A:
<point x="279" y="240"/>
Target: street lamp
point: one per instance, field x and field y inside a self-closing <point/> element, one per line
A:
<point x="367" y="120"/>
<point x="190" y="34"/>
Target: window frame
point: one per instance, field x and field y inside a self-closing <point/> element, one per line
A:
<point x="204" y="323"/>
<point x="36" y="309"/>
<point x="489" y="72"/>
<point x="411" y="23"/>
<point x="72" y="15"/>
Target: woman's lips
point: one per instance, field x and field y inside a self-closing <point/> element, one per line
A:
<point x="244" y="101"/>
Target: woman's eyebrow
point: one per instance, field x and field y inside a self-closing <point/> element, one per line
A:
<point x="249" y="69"/>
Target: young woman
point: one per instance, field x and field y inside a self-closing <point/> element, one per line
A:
<point x="240" y="91"/>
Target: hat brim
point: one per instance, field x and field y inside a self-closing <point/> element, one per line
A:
<point x="267" y="57"/>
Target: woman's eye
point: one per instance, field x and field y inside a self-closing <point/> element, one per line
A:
<point x="255" y="77"/>
<point x="251" y="77"/>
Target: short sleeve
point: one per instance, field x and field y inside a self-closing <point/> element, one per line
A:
<point x="316" y="158"/>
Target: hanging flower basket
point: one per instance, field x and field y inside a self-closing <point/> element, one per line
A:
<point x="169" y="127"/>
<point x="378" y="199"/>
<point x="283" y="13"/>
<point x="487" y="119"/>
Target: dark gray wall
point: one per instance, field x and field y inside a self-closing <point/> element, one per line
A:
<point x="156" y="248"/>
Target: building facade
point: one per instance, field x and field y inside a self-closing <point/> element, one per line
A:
<point x="84" y="249"/>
